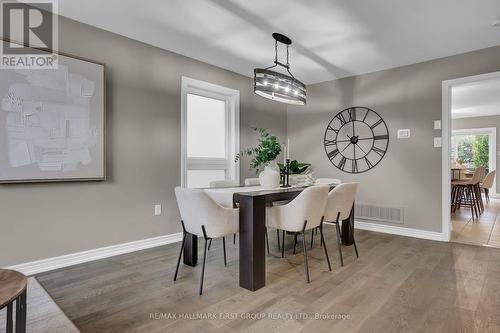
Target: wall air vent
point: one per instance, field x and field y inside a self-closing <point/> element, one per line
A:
<point x="371" y="212"/>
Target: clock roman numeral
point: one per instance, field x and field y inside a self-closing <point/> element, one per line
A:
<point x="370" y="165"/>
<point x="381" y="137"/>
<point x="379" y="151"/>
<point x="342" y="163"/>
<point x="366" y="115"/>
<point x="354" y="166"/>
<point x="342" y="119"/>
<point x="352" y="114"/>
<point x="333" y="129"/>
<point x="331" y="155"/>
<point x="376" y="124"/>
<point x="330" y="142"/>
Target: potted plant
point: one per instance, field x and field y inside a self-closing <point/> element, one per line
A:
<point x="300" y="172"/>
<point x="264" y="156"/>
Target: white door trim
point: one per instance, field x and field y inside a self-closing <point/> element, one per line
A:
<point x="446" y="144"/>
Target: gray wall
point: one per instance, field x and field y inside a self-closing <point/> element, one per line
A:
<point x="481" y="122"/>
<point x="143" y="149"/>
<point x="409" y="176"/>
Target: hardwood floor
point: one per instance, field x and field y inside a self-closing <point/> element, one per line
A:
<point x="398" y="284"/>
<point x="483" y="231"/>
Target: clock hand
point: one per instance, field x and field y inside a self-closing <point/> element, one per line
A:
<point x="361" y="149"/>
<point x="365" y="139"/>
<point x="345" y="148"/>
<point x="355" y="151"/>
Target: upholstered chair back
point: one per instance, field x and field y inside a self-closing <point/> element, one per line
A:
<point x="308" y="206"/>
<point x="340" y="200"/>
<point x="197" y="209"/>
<point x="488" y="180"/>
<point x="478" y="175"/>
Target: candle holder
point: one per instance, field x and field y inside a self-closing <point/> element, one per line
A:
<point x="286" y="174"/>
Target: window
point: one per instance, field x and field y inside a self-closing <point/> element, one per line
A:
<point x="210" y="133"/>
<point x="473" y="147"/>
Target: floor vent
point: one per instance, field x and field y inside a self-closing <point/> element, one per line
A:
<point x="371" y="212"/>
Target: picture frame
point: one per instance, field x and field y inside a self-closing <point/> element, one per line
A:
<point x="53" y="122"/>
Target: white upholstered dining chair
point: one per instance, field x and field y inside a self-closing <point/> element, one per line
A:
<point x="303" y="213"/>
<point x="338" y="208"/>
<point x="203" y="217"/>
<point x="224" y="183"/>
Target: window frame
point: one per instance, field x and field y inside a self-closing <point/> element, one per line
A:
<point x="231" y="97"/>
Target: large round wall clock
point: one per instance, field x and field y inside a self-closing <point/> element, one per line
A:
<point x="356" y="139"/>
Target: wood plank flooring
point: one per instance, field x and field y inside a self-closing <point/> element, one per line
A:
<point x="398" y="284"/>
<point x="483" y="231"/>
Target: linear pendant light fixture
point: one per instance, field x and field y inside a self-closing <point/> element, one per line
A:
<point x="277" y="86"/>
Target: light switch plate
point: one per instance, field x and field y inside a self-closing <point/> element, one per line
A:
<point x="403" y="133"/>
<point x="157" y="210"/>
<point x="437" y="124"/>
<point x="437" y="142"/>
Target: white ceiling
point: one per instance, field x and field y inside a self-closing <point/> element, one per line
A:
<point x="332" y="38"/>
<point x="476" y="99"/>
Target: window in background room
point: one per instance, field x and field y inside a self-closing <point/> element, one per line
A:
<point x="473" y="147"/>
<point x="210" y="133"/>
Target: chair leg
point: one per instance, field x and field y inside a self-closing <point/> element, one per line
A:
<point x="480" y="197"/>
<point x="353" y="239"/>
<point x="234" y="239"/>
<point x="267" y="241"/>
<point x="9" y="319"/>
<point x="294" y="243"/>
<point x="306" y="263"/>
<point x="180" y="255"/>
<point x="224" y="248"/>
<point x="312" y="238"/>
<point x="487" y="194"/>
<point x="339" y="243"/>
<point x="209" y="244"/>
<point x="324" y="247"/>
<point x="283" y="244"/>
<point x="278" y="233"/>
<point x="204" y="259"/>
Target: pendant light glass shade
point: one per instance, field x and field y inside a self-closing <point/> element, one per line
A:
<point x="277" y="86"/>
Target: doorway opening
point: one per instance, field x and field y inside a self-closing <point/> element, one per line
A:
<point x="470" y="120"/>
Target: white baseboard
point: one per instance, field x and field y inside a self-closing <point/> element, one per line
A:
<point x="45" y="265"/>
<point x="390" y="229"/>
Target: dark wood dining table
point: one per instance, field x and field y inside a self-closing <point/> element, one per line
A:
<point x="252" y="209"/>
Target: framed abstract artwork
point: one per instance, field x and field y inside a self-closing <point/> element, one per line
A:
<point x="52" y="122"/>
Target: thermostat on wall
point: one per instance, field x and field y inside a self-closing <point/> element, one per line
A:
<point x="403" y="133"/>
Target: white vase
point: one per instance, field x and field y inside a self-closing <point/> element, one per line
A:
<point x="270" y="177"/>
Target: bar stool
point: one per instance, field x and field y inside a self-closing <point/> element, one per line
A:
<point x="487" y="184"/>
<point x="13" y="289"/>
<point x="468" y="193"/>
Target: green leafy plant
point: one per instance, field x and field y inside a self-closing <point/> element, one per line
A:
<point x="268" y="149"/>
<point x="480" y="151"/>
<point x="296" y="167"/>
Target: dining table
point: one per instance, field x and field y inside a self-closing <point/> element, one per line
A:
<point x="252" y="202"/>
